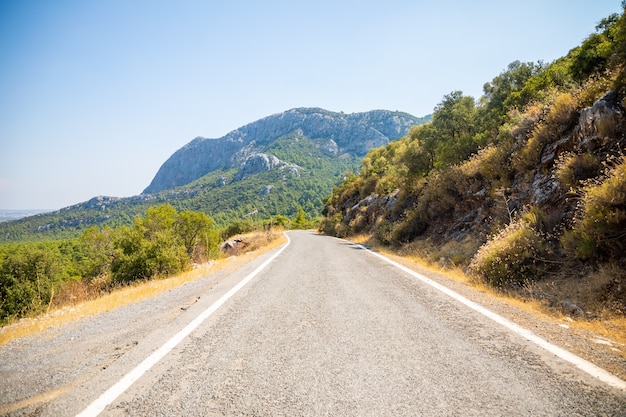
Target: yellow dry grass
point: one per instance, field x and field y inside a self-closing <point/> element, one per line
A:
<point x="131" y="293"/>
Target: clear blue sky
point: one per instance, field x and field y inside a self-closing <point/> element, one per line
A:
<point x="96" y="95"/>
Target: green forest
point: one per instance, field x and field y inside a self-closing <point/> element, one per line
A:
<point x="36" y="276"/>
<point x="523" y="188"/>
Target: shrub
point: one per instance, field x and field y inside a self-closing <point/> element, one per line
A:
<point x="29" y="279"/>
<point x="560" y="118"/>
<point x="572" y="169"/>
<point x="409" y="229"/>
<point x="602" y="228"/>
<point x="382" y="233"/>
<point x="491" y="165"/>
<point x="563" y="112"/>
<point x="526" y="121"/>
<point x="328" y="224"/>
<point x="513" y="257"/>
<point x="237" y="227"/>
<point x="98" y="247"/>
<point x="595" y="87"/>
<point x="441" y="193"/>
<point x="279" y="220"/>
<point x="359" y="222"/>
<point x="300" y="221"/>
<point x="160" y="244"/>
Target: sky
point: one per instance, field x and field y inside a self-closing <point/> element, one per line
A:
<point x="96" y="94"/>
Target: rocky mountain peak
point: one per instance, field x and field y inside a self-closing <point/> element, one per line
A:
<point x="336" y="134"/>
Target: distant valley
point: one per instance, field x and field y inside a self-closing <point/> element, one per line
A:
<point x="9" y="215"/>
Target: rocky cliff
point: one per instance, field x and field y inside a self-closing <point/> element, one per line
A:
<point x="475" y="204"/>
<point x="337" y="133"/>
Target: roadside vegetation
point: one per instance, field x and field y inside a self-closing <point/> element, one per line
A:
<point x="524" y="188"/>
<point x="37" y="277"/>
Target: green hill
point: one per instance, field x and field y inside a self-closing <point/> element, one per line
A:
<point x="524" y="188"/>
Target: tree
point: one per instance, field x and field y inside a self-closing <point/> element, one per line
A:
<point x="454" y="116"/>
<point x="99" y="250"/>
<point x="454" y="124"/>
<point x="196" y="231"/>
<point x="593" y="56"/>
<point x="29" y="278"/>
<point x="157" y="219"/>
<point x="151" y="247"/>
<point x="300" y="221"/>
<point x="280" y="220"/>
<point x="506" y="83"/>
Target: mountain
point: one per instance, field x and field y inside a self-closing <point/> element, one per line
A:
<point x="335" y="133"/>
<point x="269" y="167"/>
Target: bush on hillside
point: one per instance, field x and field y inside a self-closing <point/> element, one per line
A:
<point x="162" y="243"/>
<point x="601" y="230"/>
<point x="514" y="257"/>
<point x="561" y="117"/>
<point x="237" y="227"/>
<point x="408" y="229"/>
<point x="572" y="169"/>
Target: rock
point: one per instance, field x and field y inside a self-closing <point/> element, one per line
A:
<point x="328" y="146"/>
<point x="595" y="123"/>
<point x="234" y="244"/>
<point x="266" y="190"/>
<point x="290" y="170"/>
<point x="544" y="190"/>
<point x="572" y="309"/>
<point x="392" y="200"/>
<point x="255" y="164"/>
<point x="551" y="151"/>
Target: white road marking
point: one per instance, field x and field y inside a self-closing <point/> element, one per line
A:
<point x="579" y="362"/>
<point x="123" y="384"/>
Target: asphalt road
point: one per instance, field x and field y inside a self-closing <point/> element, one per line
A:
<point x="325" y="329"/>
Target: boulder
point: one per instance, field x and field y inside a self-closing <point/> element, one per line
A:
<point x="597" y="124"/>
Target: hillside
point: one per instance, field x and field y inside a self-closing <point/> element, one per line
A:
<point x="524" y="188"/>
<point x="270" y="167"/>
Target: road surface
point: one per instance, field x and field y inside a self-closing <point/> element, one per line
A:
<point x="326" y="328"/>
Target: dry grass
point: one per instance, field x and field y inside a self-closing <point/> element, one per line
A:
<point x="136" y="292"/>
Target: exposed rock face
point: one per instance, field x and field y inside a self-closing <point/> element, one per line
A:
<point x="266" y="190"/>
<point x="598" y="123"/>
<point x="336" y="133"/>
<point x="257" y="163"/>
<point x="599" y="131"/>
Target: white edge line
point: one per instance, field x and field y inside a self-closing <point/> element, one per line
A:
<point x="123" y="384"/>
<point x="568" y="356"/>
